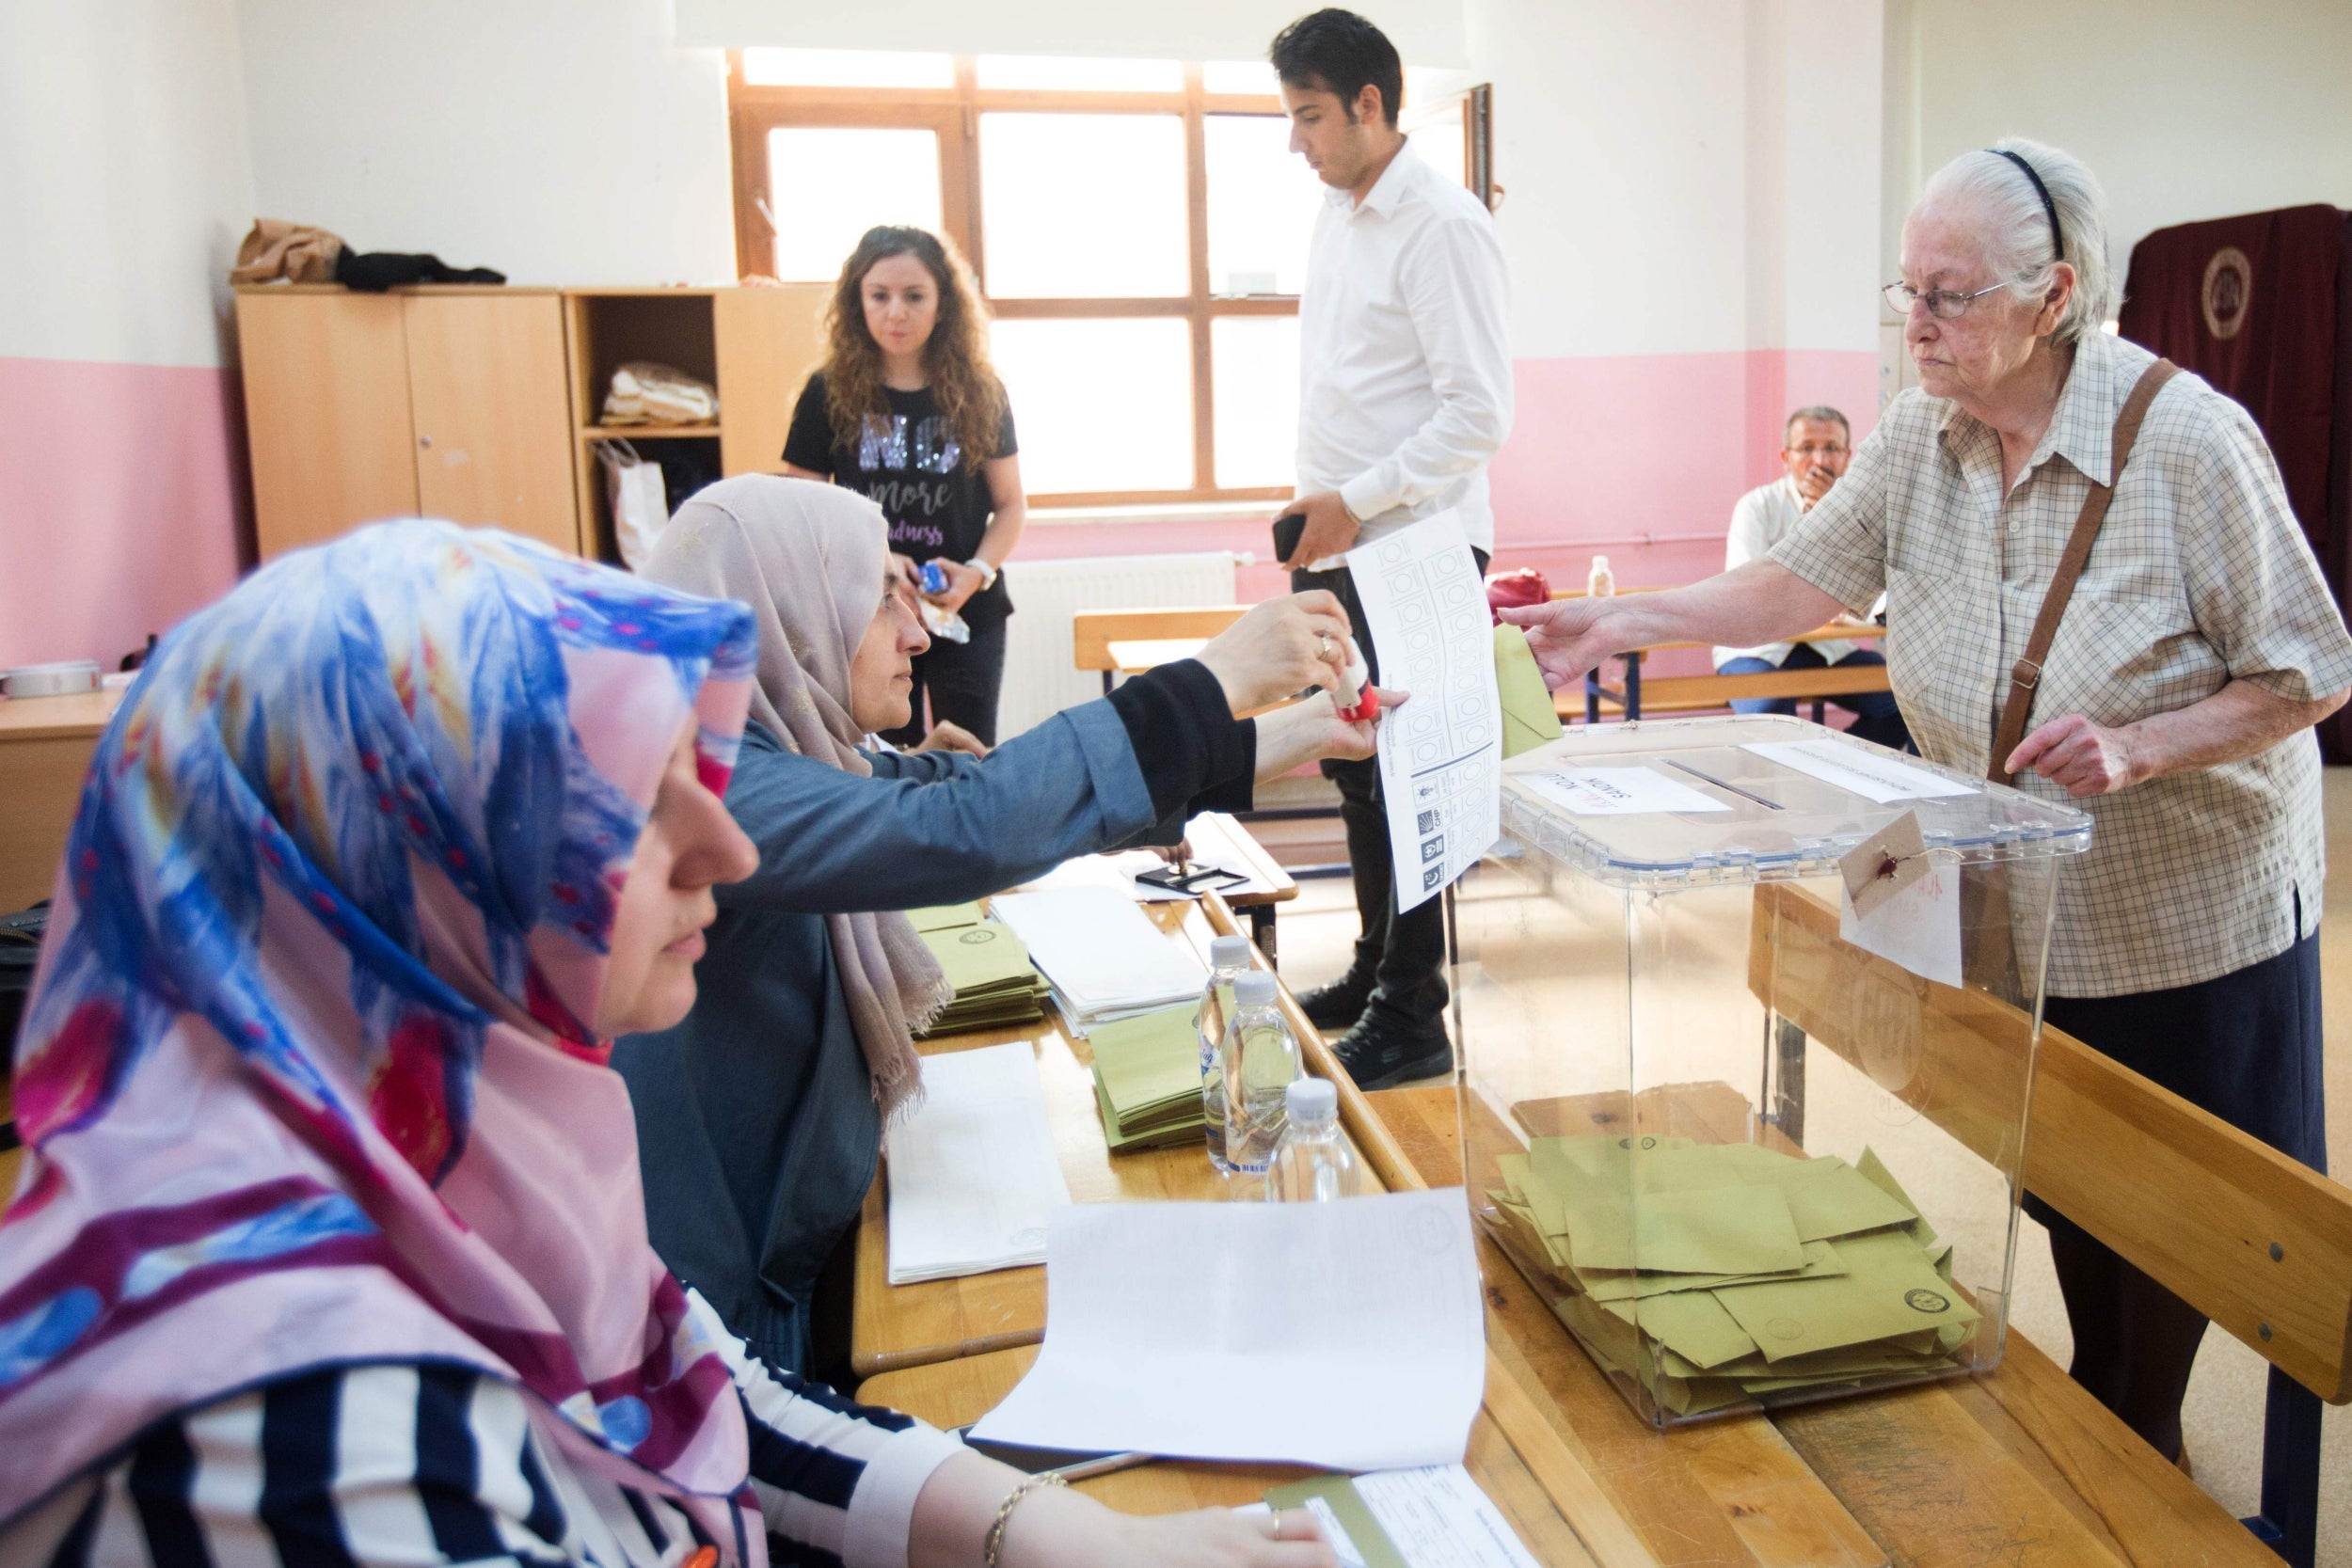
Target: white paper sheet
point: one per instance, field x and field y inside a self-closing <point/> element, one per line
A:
<point x="1116" y="872"/>
<point x="1347" y="1334"/>
<point x="1618" y="791"/>
<point x="1917" y="927"/>
<point x="1103" y="955"/>
<point x="972" y="1177"/>
<point x="1438" y="1517"/>
<point x="1858" y="771"/>
<point x="1441" y="754"/>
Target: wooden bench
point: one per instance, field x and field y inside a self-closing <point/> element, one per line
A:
<point x="2259" y="1243"/>
<point x="1705" y="694"/>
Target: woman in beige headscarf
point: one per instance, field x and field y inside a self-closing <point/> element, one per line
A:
<point x="772" y="1093"/>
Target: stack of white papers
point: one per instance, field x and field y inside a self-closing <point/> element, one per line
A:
<point x="1346" y="1334"/>
<point x="972" y="1176"/>
<point x="1102" y="954"/>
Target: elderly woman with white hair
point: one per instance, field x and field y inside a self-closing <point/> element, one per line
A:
<point x="2195" y="647"/>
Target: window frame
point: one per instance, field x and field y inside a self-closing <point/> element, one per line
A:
<point x="954" y="114"/>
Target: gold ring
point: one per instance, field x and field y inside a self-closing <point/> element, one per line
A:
<point x="1323" y="646"/>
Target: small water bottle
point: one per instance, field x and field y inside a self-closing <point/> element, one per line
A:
<point x="1229" y="957"/>
<point x="1602" y="584"/>
<point x="1313" y="1163"/>
<point x="1260" y="1058"/>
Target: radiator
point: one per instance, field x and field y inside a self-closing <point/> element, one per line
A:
<point x="1039" y="679"/>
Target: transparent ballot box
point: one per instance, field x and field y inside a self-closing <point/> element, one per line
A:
<point x="1755" y="1133"/>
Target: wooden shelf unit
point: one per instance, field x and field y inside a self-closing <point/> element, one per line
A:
<point x="483" y="405"/>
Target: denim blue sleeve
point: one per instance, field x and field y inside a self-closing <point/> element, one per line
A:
<point x="831" y="842"/>
<point x="922" y="766"/>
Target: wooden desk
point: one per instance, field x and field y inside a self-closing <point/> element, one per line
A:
<point x="1134" y="655"/>
<point x="45" y="746"/>
<point x="1218" y="840"/>
<point x="896" y="1327"/>
<point x="952" y="1393"/>
<point x="1093" y="632"/>
<point x="2022" y="1467"/>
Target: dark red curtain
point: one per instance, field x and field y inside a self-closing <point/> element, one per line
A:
<point x="2261" y="307"/>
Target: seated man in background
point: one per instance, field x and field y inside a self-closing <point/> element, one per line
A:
<point x="1817" y="445"/>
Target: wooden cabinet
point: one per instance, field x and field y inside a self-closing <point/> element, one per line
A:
<point x="326" y="412"/>
<point x="483" y="405"/>
<point x="492" y="420"/>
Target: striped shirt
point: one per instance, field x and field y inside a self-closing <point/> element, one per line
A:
<point x="422" y="1463"/>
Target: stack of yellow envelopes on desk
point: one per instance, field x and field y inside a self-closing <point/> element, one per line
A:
<point x="1716" y="1273"/>
<point x="996" y="986"/>
<point x="1147" y="1079"/>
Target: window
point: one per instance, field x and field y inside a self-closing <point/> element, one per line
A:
<point x="1139" y="229"/>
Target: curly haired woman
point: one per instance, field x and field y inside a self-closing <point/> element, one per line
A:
<point x="905" y="410"/>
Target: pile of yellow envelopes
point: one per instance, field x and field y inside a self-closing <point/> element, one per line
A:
<point x="1711" y="1274"/>
<point x="1147" y="1079"/>
<point x="996" y="986"/>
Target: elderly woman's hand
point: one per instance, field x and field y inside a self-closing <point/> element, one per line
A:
<point x="2086" y="759"/>
<point x="1568" y="637"/>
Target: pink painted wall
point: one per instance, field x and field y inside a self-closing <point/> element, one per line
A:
<point x="1638" y="457"/>
<point x="121" y="503"/>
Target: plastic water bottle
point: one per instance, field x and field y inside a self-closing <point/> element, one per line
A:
<point x="1313" y="1163"/>
<point x="1602" y="584"/>
<point x="1229" y="957"/>
<point x="1260" y="1058"/>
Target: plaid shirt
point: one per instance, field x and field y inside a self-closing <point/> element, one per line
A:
<point x="2200" y="576"/>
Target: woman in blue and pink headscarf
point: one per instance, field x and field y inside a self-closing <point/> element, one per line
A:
<point x="330" y="1247"/>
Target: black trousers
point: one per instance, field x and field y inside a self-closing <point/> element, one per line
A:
<point x="1404" y="955"/>
<point x="962" y="680"/>
<point x="2244" y="1046"/>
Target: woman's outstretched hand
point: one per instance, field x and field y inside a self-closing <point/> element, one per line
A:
<point x="1281" y="647"/>
<point x="1312" y="729"/>
<point x="945" y="736"/>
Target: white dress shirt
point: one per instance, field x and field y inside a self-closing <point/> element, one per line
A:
<point x="1403" y="355"/>
<point x="1765" y="517"/>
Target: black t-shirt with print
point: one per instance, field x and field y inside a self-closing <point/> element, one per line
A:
<point x="912" y="466"/>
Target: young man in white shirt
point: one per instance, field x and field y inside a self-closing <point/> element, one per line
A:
<point x="1405" y="396"/>
<point x="1817" y="444"/>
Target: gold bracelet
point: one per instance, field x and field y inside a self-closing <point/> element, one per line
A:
<point x="995" y="1545"/>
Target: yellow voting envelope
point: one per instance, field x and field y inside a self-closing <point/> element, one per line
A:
<point x="1529" y="719"/>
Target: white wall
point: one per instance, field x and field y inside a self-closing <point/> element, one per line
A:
<point x="1426" y="32"/>
<point x="558" y="141"/>
<point x="124" y="183"/>
<point x="1685" y="176"/>
<point x="2184" y="109"/>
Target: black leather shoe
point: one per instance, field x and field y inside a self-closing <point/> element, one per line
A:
<point x="1337" y="1004"/>
<point x="1382" y="1049"/>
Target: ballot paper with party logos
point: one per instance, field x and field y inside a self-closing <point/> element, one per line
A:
<point x="1440" y="753"/>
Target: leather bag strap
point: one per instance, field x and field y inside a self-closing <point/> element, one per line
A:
<point x="2024" y="676"/>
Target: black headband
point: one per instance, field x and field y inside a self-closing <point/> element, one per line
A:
<point x="2058" y="241"/>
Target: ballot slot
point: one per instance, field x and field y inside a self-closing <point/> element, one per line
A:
<point x="1744" y="1161"/>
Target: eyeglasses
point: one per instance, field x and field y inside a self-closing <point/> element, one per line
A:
<point x="1943" y="304"/>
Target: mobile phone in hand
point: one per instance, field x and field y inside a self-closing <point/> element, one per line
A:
<point x="1287" y="528"/>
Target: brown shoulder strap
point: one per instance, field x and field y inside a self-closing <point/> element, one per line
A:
<point x="2026" y="673"/>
